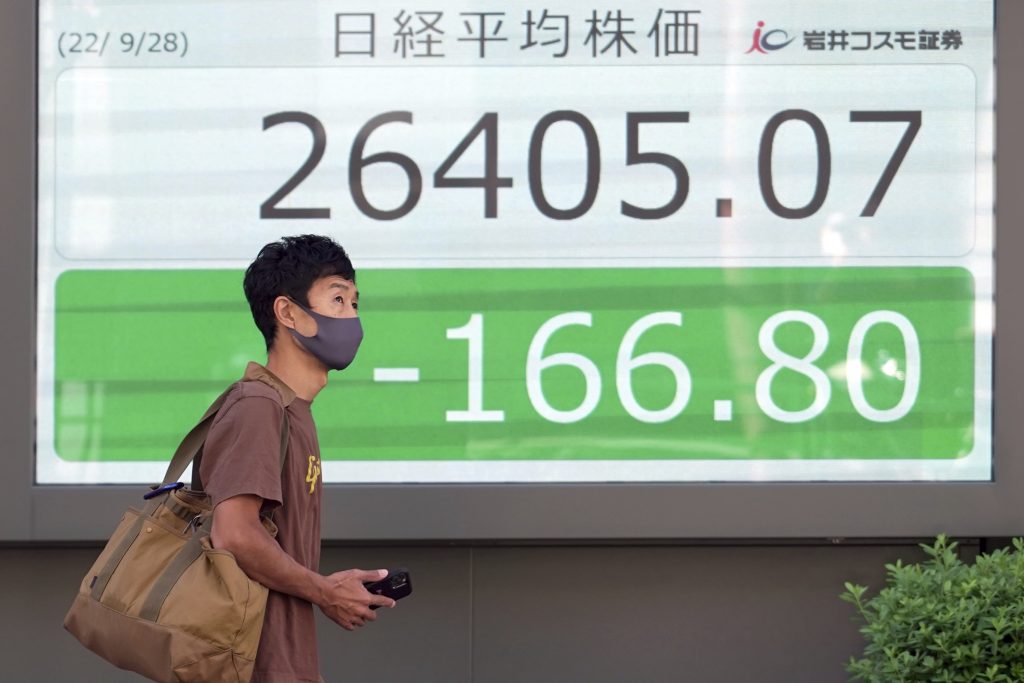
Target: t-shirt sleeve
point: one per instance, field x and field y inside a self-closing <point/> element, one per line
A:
<point x="242" y="454"/>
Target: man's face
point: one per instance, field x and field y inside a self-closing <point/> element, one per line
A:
<point x="333" y="296"/>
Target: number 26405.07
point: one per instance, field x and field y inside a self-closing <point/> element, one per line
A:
<point x="490" y="181"/>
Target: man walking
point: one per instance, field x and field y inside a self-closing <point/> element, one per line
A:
<point x="303" y="296"/>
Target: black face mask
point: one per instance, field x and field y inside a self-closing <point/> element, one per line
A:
<point x="336" y="340"/>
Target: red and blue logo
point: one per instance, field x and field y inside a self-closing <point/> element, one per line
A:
<point x="768" y="41"/>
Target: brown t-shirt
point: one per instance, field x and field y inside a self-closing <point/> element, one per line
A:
<point x="242" y="456"/>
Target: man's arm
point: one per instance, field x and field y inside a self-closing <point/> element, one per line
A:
<point x="341" y="596"/>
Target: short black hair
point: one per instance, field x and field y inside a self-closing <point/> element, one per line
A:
<point x="289" y="267"/>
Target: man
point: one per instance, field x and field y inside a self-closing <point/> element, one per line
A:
<point x="304" y="300"/>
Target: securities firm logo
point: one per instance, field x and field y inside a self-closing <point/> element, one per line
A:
<point x="768" y="41"/>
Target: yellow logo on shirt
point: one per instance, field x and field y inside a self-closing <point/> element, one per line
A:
<point x="313" y="473"/>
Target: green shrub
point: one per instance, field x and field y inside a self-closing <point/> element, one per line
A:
<point x="944" y="621"/>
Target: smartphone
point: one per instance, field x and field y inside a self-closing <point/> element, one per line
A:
<point x="396" y="585"/>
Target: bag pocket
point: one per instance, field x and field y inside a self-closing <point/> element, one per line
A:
<point x="147" y="557"/>
<point x="123" y="527"/>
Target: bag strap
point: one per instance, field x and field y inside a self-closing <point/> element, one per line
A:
<point x="190" y="450"/>
<point x="193" y="442"/>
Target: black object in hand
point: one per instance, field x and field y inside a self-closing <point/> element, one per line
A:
<point x="396" y="585"/>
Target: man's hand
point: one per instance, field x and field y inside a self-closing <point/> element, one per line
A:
<point x="341" y="596"/>
<point x="347" y="602"/>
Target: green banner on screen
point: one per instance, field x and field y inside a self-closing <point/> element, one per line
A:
<point x="548" y="364"/>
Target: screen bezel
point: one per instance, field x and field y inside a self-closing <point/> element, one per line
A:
<point x="537" y="512"/>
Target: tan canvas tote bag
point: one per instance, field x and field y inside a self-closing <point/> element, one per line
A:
<point x="160" y="600"/>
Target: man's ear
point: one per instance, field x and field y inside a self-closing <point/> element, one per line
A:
<point x="284" y="312"/>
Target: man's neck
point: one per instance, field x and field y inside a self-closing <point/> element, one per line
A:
<point x="303" y="374"/>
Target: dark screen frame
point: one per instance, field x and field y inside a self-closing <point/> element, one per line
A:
<point x="528" y="512"/>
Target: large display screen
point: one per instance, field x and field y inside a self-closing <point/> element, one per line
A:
<point x="720" y="241"/>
